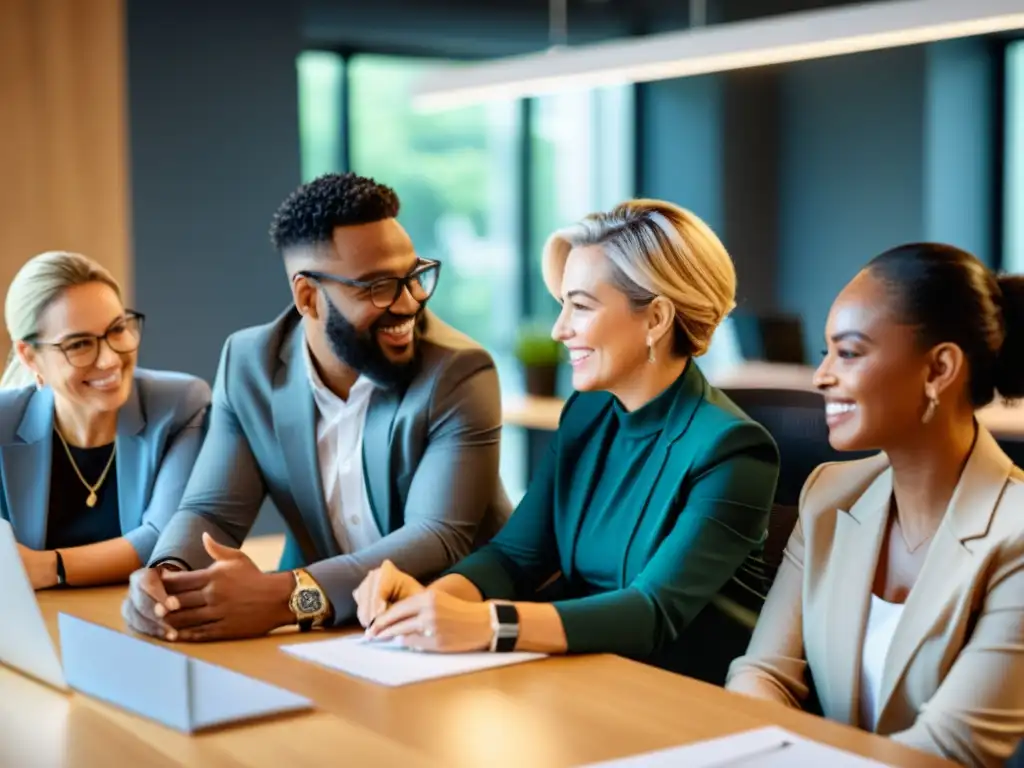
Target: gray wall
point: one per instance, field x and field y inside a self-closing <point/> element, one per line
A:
<point x="683" y="145"/>
<point x="851" y="173"/>
<point x="710" y="144"/>
<point x="214" y="149"/>
<point x="962" y="158"/>
<point x="808" y="170"/>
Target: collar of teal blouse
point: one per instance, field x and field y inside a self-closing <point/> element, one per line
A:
<point x="667" y="410"/>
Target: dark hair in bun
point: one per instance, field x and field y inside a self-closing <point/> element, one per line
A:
<point x="952" y="297"/>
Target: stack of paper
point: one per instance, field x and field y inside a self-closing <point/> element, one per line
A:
<point x="763" y="748"/>
<point x="394" y="664"/>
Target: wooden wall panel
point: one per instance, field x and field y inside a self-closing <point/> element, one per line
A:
<point x="63" y="134"/>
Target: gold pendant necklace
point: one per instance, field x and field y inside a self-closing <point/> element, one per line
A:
<point x="91" y="499"/>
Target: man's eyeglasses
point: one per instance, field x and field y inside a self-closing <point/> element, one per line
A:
<point x="385" y="291"/>
<point x="82" y="350"/>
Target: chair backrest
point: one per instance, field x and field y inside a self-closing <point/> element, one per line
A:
<point x="796" y="420"/>
<point x="1013" y="446"/>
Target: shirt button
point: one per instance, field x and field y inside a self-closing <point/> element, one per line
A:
<point x="354" y="519"/>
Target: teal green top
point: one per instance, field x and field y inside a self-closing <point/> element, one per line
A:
<point x="646" y="517"/>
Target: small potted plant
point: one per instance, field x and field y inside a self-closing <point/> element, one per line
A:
<point x="540" y="356"/>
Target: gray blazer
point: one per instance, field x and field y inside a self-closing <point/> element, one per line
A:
<point x="159" y="433"/>
<point x="430" y="459"/>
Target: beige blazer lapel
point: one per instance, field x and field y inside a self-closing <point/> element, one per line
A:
<point x="858" y="541"/>
<point x="939" y="590"/>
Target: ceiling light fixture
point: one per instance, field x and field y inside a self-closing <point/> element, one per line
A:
<point x="717" y="48"/>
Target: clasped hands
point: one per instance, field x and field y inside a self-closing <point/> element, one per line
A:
<point x="230" y="599"/>
<point x="233" y="599"/>
<point x="392" y="604"/>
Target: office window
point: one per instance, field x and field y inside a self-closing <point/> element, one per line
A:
<point x="321" y="93"/>
<point x="1013" y="227"/>
<point x="582" y="152"/>
<point x="455" y="174"/>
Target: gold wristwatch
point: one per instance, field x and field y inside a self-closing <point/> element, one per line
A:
<point x="308" y="601"/>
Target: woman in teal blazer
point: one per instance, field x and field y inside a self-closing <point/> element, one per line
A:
<point x="94" y="452"/>
<point x="656" y="489"/>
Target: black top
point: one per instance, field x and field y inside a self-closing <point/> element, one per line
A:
<point x="72" y="523"/>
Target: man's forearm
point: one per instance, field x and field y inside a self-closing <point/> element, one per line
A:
<point x="278" y="588"/>
<point x="415" y="550"/>
<point x="182" y="541"/>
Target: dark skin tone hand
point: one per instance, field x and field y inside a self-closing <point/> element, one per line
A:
<point x="229" y="600"/>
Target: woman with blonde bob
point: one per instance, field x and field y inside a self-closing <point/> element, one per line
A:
<point x="656" y="487"/>
<point x="94" y="452"/>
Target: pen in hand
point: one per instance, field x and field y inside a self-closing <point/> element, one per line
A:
<point x="382" y="606"/>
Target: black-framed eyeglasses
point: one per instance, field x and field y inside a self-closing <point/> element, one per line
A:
<point x="384" y="291"/>
<point x="82" y="350"/>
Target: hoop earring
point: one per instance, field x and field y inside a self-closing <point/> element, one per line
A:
<point x="929" y="412"/>
<point x="650" y="351"/>
<point x="39" y="381"/>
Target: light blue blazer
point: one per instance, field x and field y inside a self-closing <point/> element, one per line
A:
<point x="159" y="432"/>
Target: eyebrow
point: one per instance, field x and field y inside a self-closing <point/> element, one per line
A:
<point x="86" y="335"/>
<point x="369" y="277"/>
<point x="851" y="335"/>
<point x="584" y="294"/>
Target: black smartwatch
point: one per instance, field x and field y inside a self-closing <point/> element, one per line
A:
<point x="504" y="627"/>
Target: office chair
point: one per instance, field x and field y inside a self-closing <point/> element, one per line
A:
<point x="796" y="421"/>
<point x="1013" y="446"/>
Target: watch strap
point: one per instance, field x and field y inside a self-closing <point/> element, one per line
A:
<point x="504" y="626"/>
<point x="171" y="562"/>
<point x="62" y="576"/>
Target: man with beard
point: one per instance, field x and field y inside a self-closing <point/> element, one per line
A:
<point x="372" y="425"/>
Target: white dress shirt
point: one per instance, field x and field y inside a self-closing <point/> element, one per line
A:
<point x="882" y="620"/>
<point x="339" y="448"/>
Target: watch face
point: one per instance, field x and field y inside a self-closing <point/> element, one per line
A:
<point x="310" y="601"/>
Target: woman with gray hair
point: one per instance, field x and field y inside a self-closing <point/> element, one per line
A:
<point x="656" y="487"/>
<point x="94" y="452"/>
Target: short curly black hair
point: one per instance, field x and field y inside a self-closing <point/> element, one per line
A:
<point x="310" y="214"/>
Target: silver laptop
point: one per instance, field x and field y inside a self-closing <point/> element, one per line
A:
<point x="25" y="643"/>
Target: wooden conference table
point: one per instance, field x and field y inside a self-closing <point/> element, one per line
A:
<point x="556" y="712"/>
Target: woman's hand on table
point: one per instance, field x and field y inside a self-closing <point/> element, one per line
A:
<point x="435" y="621"/>
<point x="382" y="587"/>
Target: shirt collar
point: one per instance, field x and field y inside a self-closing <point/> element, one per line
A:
<point x="361" y="388"/>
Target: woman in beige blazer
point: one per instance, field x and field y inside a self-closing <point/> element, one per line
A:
<point x="902" y="591"/>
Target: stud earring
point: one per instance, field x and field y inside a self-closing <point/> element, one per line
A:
<point x="929" y="411"/>
<point x="650" y="351"/>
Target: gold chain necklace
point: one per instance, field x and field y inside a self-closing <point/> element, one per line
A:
<point x="90" y="500"/>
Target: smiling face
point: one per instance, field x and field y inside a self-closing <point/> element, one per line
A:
<point x="61" y="355"/>
<point x="874" y="373"/>
<point x="378" y="341"/>
<point x="605" y="336"/>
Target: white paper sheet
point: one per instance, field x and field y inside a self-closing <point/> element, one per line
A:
<point x="761" y="748"/>
<point x="392" y="664"/>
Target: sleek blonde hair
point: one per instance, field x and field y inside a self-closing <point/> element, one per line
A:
<point x="40" y="281"/>
<point x="656" y="249"/>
